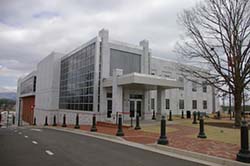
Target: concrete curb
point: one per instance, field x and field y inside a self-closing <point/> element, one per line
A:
<point x="151" y="148"/>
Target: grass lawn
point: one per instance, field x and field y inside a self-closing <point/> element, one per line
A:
<point x="227" y="135"/>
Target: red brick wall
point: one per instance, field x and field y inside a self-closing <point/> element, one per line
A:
<point x="28" y="104"/>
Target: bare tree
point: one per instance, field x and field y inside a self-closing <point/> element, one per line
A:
<point x="217" y="37"/>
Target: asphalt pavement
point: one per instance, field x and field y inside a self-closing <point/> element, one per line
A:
<point x="47" y="147"/>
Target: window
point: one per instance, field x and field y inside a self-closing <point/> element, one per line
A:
<point x="194" y="87"/>
<point x="204" y="86"/>
<point x="109" y="95"/>
<point x="109" y="108"/>
<point x="167" y="104"/>
<point x="181" y="104"/>
<point x="204" y="104"/>
<point x="135" y="96"/>
<point x="152" y="103"/>
<point x="29" y="85"/>
<point x="77" y="79"/>
<point x="194" y="104"/>
<point x="129" y="62"/>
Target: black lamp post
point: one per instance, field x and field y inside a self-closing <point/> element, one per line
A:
<point x="244" y="153"/>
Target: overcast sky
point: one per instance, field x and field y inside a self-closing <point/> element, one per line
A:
<point x="31" y="29"/>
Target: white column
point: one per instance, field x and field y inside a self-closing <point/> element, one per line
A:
<point x="105" y="53"/>
<point x="145" y="60"/>
<point x="96" y="74"/>
<point x="147" y="109"/>
<point x="117" y="92"/>
<point x="160" y="101"/>
<point x="105" y="67"/>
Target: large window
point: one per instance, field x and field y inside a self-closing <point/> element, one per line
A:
<point x="29" y="85"/>
<point x="181" y="104"/>
<point x="167" y="104"/>
<point x="128" y="62"/>
<point x="77" y="80"/>
<point x="194" y="104"/>
<point x="204" y="86"/>
<point x="204" y="104"/>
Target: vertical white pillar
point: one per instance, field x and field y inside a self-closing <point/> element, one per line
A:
<point x="105" y="69"/>
<point x="105" y="53"/>
<point x="160" y="101"/>
<point x="145" y="68"/>
<point x="117" y="92"/>
<point x="145" y="60"/>
<point x="96" y="74"/>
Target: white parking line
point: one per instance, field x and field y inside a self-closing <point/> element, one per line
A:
<point x="36" y="130"/>
<point x="25" y="136"/>
<point x="20" y="133"/>
<point x="49" y="152"/>
<point x="34" y="142"/>
<point x="15" y="131"/>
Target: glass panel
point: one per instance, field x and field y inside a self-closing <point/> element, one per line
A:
<point x="109" y="108"/>
<point x="138" y="107"/>
<point x="132" y="108"/>
<point x="127" y="61"/>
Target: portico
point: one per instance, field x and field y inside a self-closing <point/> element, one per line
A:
<point x="131" y="93"/>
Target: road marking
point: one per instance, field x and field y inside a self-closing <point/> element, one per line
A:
<point x="49" y="152"/>
<point x="25" y="136"/>
<point x="34" y="142"/>
<point x="36" y="130"/>
<point x="15" y="131"/>
<point x="20" y="133"/>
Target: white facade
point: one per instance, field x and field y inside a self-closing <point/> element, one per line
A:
<point x="106" y="77"/>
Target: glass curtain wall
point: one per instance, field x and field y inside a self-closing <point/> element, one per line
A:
<point x="77" y="80"/>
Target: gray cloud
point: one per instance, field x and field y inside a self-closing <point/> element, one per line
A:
<point x="30" y="30"/>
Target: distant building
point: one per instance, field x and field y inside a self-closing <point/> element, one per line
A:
<point x="106" y="77"/>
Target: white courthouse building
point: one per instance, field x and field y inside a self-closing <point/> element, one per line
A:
<point x="106" y="77"/>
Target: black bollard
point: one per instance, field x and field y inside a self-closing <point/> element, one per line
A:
<point x="199" y="115"/>
<point x="46" y="121"/>
<point x="34" y="122"/>
<point x="182" y="114"/>
<point x="77" y="126"/>
<point x="119" y="131"/>
<point x="218" y="115"/>
<point x="194" y="120"/>
<point x="137" y="127"/>
<point x="93" y="128"/>
<point x="244" y="153"/>
<point x="13" y="119"/>
<point x="170" y="116"/>
<point x="230" y="115"/>
<point x="233" y="114"/>
<point x="54" y="121"/>
<point x="202" y="133"/>
<point x="153" y="116"/>
<point x="64" y="121"/>
<point x="163" y="138"/>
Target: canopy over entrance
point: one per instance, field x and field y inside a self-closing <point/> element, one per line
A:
<point x="143" y="81"/>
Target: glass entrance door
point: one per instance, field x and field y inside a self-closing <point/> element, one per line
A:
<point x="135" y="107"/>
<point x="138" y="107"/>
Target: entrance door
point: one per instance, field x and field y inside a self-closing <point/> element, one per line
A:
<point x="135" y="107"/>
<point x="109" y="108"/>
